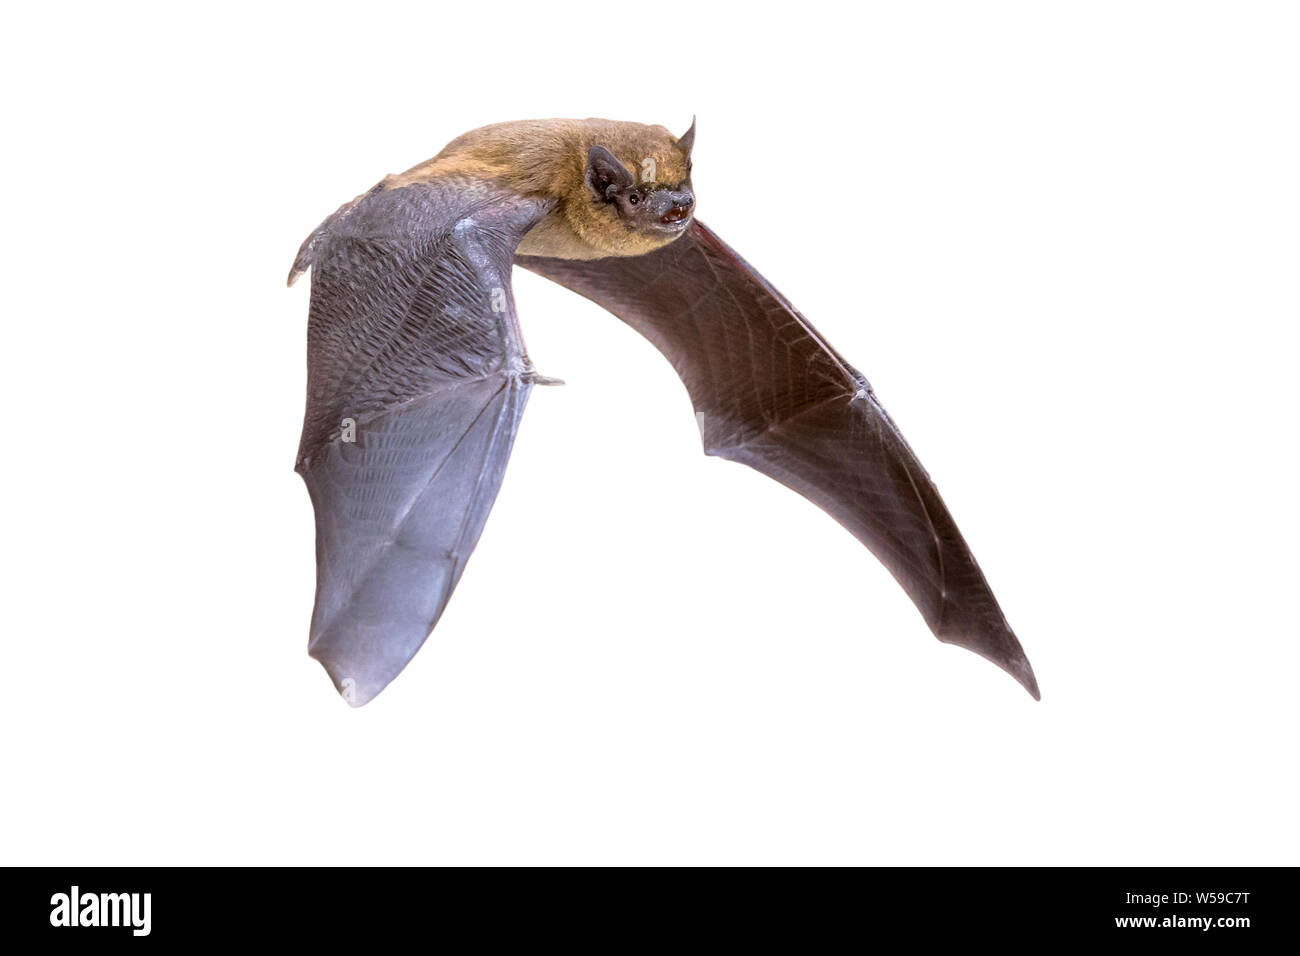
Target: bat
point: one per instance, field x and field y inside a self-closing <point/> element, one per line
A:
<point x="417" y="378"/>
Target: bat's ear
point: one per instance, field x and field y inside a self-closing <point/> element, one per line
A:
<point x="605" y="174"/>
<point x="687" y="141"/>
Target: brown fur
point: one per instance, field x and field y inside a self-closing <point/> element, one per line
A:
<point x="548" y="159"/>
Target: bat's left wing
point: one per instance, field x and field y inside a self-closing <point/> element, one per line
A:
<point x="416" y="379"/>
<point x="771" y="393"/>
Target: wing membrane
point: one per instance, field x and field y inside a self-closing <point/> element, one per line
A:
<point x="769" y="392"/>
<point x="417" y="378"/>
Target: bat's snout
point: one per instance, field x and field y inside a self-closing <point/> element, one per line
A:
<point x="679" y="206"/>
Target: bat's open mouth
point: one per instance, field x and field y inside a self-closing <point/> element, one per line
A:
<point x="676" y="214"/>
<point x="674" y="224"/>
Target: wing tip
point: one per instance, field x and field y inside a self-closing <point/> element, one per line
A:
<point x="1028" y="681"/>
<point x="355" y="691"/>
<point x="1017" y="665"/>
<point x="1004" y="650"/>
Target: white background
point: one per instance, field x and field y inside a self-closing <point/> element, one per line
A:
<point x="1060" y="239"/>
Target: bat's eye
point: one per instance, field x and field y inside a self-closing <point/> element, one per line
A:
<point x="634" y="198"/>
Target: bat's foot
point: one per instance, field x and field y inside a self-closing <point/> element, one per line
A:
<point x="532" y="378"/>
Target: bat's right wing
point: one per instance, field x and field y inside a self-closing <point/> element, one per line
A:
<point x="416" y="380"/>
<point x="769" y="392"/>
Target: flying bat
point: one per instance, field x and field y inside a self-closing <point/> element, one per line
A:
<point x="417" y="377"/>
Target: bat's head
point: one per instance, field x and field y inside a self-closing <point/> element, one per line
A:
<point x="636" y="193"/>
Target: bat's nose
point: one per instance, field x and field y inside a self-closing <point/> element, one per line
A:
<point x="682" y="202"/>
